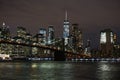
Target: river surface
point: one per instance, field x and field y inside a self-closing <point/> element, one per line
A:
<point x="50" y="70"/>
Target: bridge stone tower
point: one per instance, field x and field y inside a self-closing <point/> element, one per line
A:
<point x="60" y="55"/>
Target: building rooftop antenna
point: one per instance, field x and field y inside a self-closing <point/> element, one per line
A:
<point x="66" y="15"/>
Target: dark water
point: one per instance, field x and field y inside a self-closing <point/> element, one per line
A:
<point x="59" y="71"/>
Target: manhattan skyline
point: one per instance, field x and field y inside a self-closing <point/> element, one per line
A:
<point x="92" y="16"/>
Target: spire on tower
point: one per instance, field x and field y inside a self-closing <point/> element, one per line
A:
<point x="66" y="15"/>
<point x="3" y="25"/>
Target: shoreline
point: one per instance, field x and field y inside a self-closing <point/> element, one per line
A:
<point x="67" y="60"/>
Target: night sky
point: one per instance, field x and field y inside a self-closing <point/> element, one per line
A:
<point x="91" y="15"/>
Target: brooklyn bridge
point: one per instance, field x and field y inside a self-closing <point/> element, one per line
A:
<point x="35" y="50"/>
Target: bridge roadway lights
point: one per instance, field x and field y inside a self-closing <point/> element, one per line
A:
<point x="59" y="56"/>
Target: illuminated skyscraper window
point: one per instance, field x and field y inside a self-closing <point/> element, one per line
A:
<point x="103" y="37"/>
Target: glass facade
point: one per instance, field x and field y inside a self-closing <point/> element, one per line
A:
<point x="43" y="32"/>
<point x="66" y="30"/>
<point x="50" y="34"/>
<point x="103" y="37"/>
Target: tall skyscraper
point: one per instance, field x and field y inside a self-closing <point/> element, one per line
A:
<point x="66" y="29"/>
<point x="5" y="32"/>
<point x="116" y="49"/>
<point x="87" y="48"/>
<point x="76" y="40"/>
<point x="50" y="34"/>
<point x="21" y="34"/>
<point x="43" y="34"/>
<point x="106" y="42"/>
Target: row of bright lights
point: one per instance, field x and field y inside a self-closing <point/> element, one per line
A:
<point x="97" y="59"/>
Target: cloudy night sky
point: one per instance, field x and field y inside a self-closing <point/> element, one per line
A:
<point x="91" y="15"/>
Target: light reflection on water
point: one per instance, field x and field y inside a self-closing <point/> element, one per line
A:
<point x="108" y="71"/>
<point x="59" y="71"/>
